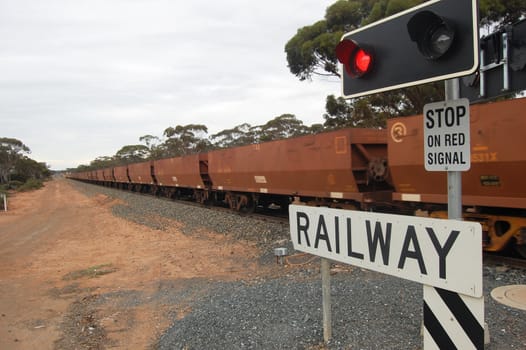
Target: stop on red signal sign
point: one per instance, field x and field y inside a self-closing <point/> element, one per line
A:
<point x="447" y="136"/>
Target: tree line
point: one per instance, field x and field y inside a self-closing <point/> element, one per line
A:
<point x="189" y="139"/>
<point x="17" y="170"/>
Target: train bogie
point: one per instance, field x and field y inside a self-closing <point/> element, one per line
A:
<point x="499" y="231"/>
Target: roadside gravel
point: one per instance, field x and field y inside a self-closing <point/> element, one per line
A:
<point x="283" y="311"/>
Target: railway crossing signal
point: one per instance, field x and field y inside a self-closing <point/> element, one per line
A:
<point x="502" y="65"/>
<point x="437" y="40"/>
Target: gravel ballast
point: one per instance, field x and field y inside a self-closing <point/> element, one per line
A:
<point x="369" y="310"/>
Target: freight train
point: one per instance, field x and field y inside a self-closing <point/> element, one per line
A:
<point x="362" y="169"/>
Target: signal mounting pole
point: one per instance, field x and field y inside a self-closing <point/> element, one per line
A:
<point x="454" y="178"/>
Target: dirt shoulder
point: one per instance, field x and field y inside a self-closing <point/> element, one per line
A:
<point x="72" y="275"/>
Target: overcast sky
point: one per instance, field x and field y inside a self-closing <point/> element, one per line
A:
<point x="82" y="78"/>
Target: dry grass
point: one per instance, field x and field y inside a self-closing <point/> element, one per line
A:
<point x="90" y="272"/>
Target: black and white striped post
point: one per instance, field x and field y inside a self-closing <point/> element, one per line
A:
<point x="452" y="320"/>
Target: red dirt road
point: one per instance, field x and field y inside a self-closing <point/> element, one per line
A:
<point x="49" y="240"/>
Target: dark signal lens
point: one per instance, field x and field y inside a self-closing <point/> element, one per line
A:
<point x="433" y="35"/>
<point x="356" y="60"/>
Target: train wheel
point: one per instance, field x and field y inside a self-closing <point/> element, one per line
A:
<point x="520" y="242"/>
<point x="200" y="197"/>
<point x="246" y="204"/>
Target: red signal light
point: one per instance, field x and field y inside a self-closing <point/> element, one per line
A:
<point x="363" y="60"/>
<point x="357" y="60"/>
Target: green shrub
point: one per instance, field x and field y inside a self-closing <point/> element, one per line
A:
<point x="30" y="185"/>
<point x="14" y="184"/>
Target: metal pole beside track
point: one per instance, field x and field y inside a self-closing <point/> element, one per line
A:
<point x="454" y="178"/>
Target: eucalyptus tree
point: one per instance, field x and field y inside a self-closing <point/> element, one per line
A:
<point x="132" y="154"/>
<point x="154" y="144"/>
<point x="103" y="162"/>
<point x="240" y="135"/>
<point x="282" y="127"/>
<point x="185" y="139"/>
<point x="27" y="168"/>
<point x="11" y="152"/>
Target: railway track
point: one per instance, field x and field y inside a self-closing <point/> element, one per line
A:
<point x="281" y="218"/>
<point x="503" y="260"/>
<point x="270" y="215"/>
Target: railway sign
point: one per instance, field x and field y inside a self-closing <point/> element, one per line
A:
<point x="447" y="136"/>
<point x="441" y="253"/>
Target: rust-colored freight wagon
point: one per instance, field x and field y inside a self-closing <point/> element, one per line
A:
<point x="494" y="188"/>
<point x="181" y="171"/>
<point x="92" y="175"/>
<point x="99" y="175"/>
<point x="343" y="165"/>
<point x="141" y="173"/>
<point x="83" y="175"/>
<point x="120" y="173"/>
<point x="498" y="159"/>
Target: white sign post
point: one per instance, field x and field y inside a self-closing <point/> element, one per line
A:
<point x="447" y="136"/>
